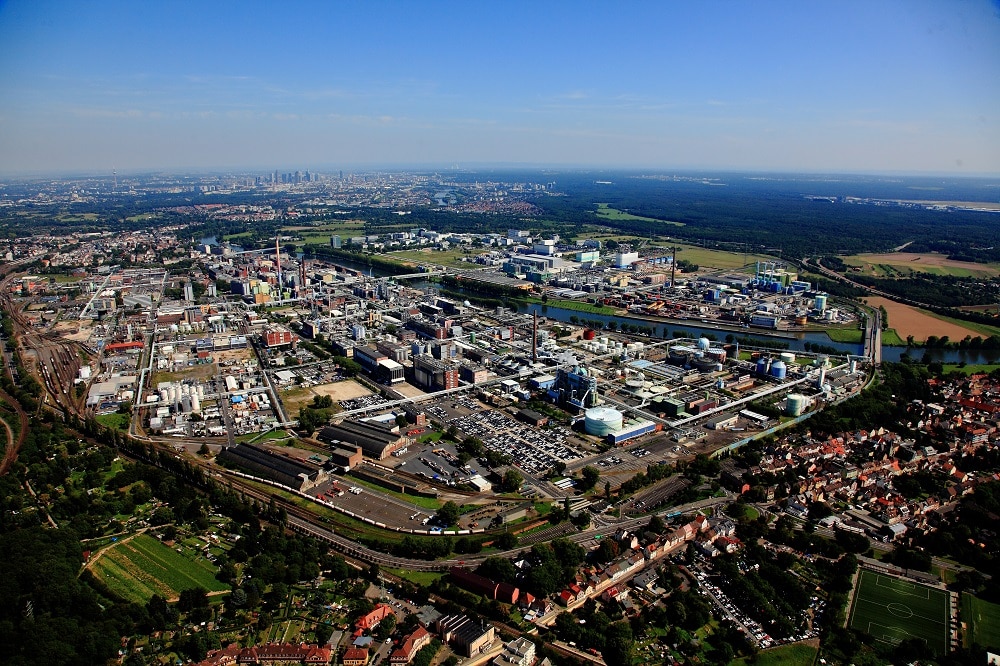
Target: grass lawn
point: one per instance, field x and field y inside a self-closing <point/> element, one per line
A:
<point x="141" y="567"/>
<point x="891" y="338"/>
<point x="982" y="620"/>
<point x="260" y="438"/>
<point x="417" y="577"/>
<point x="574" y="305"/>
<point x="971" y="368"/>
<point x="890" y="610"/>
<point x="845" y="335"/>
<point x="797" y="654"/>
<point x="114" y="421"/>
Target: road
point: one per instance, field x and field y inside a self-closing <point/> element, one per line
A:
<point x="592" y="535"/>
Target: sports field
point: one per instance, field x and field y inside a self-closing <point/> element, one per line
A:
<point x="890" y="610"/>
<point x="982" y="621"/>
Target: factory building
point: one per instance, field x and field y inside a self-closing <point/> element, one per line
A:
<point x="576" y="388"/>
<point x="467" y="637"/>
<point x="376" y="440"/>
<point x="281" y="469"/>
<point x="432" y="374"/>
<point x="631" y="431"/>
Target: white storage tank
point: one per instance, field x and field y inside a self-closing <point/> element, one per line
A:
<point x="795" y="404"/>
<point x="601" y="421"/>
<point x="195" y="403"/>
<point x="787" y="357"/>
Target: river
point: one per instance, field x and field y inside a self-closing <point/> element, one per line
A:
<point x="796" y="343"/>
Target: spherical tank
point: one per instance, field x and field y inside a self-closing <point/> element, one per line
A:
<point x="600" y="421"/>
<point x="704" y="343"/>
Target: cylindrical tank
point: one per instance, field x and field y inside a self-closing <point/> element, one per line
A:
<point x="787" y="357"/>
<point x="820" y="302"/>
<point x="164" y="395"/>
<point x="762" y="365"/>
<point x="186" y="404"/>
<point x="853" y="366"/>
<point x="201" y="391"/>
<point x="185" y="389"/>
<point x="795" y="404"/>
<point x="704" y="343"/>
<point x="195" y="403"/>
<point x="600" y="421"/>
<point x="172" y="392"/>
<point x="589" y="334"/>
<point x="778" y="369"/>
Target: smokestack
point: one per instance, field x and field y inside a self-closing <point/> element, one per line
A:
<point x="673" y="267"/>
<point x="534" y="338"/>
<point x="277" y="256"/>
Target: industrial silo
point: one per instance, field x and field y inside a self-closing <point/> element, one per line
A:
<point x="601" y="421"/>
<point x="795" y="404"/>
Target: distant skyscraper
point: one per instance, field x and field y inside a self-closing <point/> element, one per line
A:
<point x="342" y="175"/>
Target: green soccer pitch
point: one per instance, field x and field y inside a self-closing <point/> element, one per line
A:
<point x="891" y="610"/>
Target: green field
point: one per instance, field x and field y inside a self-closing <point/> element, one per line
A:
<point x="982" y="621"/>
<point x="890" y="610"/>
<point x="608" y="213"/>
<point x="797" y="654"/>
<point x="970" y="369"/>
<point x="846" y="335"/>
<point x="722" y="259"/>
<point x="891" y="338"/>
<point x="114" y="421"/>
<point x="141" y="567"/>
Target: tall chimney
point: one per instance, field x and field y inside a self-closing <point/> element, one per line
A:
<point x="673" y="267"/>
<point x="534" y="338"/>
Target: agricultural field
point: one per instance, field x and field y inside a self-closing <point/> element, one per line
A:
<point x="907" y="320"/>
<point x="904" y="264"/>
<point x="982" y="621"/>
<point x="140" y="567"/>
<point x="890" y="610"/>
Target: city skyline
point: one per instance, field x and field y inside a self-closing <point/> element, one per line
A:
<point x="825" y="87"/>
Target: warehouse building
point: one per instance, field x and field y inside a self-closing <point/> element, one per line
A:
<point x="281" y="469"/>
<point x="376" y="440"/>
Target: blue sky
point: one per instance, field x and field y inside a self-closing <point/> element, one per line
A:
<point x="869" y="86"/>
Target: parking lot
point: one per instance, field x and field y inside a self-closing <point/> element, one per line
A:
<point x="534" y="450"/>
